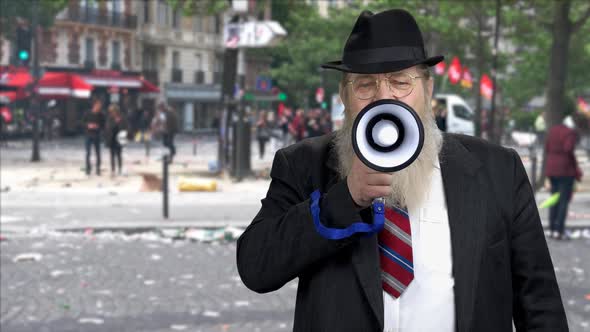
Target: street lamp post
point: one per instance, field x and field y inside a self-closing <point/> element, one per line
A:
<point x="35" y="102"/>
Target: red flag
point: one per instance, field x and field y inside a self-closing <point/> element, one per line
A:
<point x="455" y="71"/>
<point x="466" y="79"/>
<point x="583" y="106"/>
<point x="6" y="114"/>
<point x="485" y="87"/>
<point x="440" y="67"/>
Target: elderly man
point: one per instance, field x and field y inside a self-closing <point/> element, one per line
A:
<point x="467" y="252"/>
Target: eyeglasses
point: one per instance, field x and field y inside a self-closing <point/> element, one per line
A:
<point x="366" y="86"/>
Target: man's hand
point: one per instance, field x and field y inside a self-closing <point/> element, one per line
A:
<point x="366" y="184"/>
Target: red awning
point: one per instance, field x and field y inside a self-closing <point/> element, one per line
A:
<point x="148" y="87"/>
<point x="60" y="85"/>
<point x="15" y="78"/>
<point x="7" y="97"/>
<point x="115" y="79"/>
<point x="52" y="85"/>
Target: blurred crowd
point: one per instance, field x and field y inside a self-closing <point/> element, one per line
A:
<point x="285" y="127"/>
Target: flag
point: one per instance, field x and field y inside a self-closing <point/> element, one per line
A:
<point x="440" y="67"/>
<point x="583" y="105"/>
<point x="466" y="78"/>
<point x="485" y="87"/>
<point x="454" y="71"/>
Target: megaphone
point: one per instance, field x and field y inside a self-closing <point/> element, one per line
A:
<point x="387" y="135"/>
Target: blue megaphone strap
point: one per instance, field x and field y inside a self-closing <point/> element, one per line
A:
<point x="357" y="227"/>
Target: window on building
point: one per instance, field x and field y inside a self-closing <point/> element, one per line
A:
<point x="176" y="17"/>
<point x="217" y="23"/>
<point x="146" y="11"/>
<point x="163" y="12"/>
<point x="212" y="24"/>
<point x="117" y="6"/>
<point x="197" y="24"/>
<point x="198" y="63"/>
<point x="116" y="52"/>
<point x="89" y="50"/>
<point x="117" y="10"/>
<point x="175" y="60"/>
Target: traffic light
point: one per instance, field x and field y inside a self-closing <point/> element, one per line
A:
<point x="23" y="46"/>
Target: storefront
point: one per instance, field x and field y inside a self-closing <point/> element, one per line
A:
<point x="197" y="105"/>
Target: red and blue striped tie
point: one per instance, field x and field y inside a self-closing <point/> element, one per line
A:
<point x="395" y="252"/>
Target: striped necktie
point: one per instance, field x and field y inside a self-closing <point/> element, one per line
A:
<point x="395" y="252"/>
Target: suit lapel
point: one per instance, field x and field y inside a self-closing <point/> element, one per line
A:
<point x="365" y="258"/>
<point x="466" y="207"/>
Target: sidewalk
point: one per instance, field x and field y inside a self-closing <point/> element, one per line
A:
<point x="34" y="195"/>
<point x="62" y="165"/>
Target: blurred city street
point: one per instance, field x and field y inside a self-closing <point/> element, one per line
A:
<point x="33" y="193"/>
<point x="106" y="259"/>
<point x="159" y="89"/>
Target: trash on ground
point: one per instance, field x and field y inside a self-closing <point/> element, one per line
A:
<point x="32" y="256"/>
<point x="95" y="321"/>
<point x="209" y="313"/>
<point x="187" y="184"/>
<point x="205" y="235"/>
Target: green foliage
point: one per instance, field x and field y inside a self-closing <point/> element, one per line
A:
<point x="12" y="10"/>
<point x="202" y="7"/>
<point x="524" y="120"/>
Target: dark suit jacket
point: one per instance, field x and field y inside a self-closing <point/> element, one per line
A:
<point x="501" y="264"/>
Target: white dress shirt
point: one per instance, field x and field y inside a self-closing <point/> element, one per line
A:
<point x="428" y="303"/>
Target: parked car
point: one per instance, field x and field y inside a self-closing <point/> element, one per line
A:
<point x="460" y="117"/>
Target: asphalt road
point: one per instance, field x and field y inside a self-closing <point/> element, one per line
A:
<point x="114" y="282"/>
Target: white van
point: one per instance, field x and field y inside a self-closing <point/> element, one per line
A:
<point x="460" y="117"/>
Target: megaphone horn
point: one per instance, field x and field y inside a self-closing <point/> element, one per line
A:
<point x="387" y="135"/>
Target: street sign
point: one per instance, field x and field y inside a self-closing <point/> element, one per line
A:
<point x="253" y="34"/>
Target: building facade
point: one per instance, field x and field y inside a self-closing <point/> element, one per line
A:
<point x="183" y="55"/>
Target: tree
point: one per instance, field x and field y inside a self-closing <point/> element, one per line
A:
<point x="562" y="28"/>
<point x="12" y="11"/>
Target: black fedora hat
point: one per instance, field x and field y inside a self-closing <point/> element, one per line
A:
<point x="385" y="42"/>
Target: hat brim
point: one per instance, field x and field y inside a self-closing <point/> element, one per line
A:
<point x="382" y="67"/>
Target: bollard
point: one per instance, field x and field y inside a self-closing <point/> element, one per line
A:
<point x="165" y="185"/>
<point x="195" y="147"/>
<point x="147" y="147"/>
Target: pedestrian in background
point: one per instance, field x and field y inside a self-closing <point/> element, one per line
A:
<point x="262" y="133"/>
<point x="94" y="122"/>
<point x="170" y="130"/>
<point x="562" y="169"/>
<point x="297" y="127"/>
<point x="284" y="121"/>
<point x="440" y="115"/>
<point x="116" y="137"/>
<point x="540" y="129"/>
<point x="275" y="131"/>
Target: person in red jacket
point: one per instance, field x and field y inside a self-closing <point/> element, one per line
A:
<point x="562" y="169"/>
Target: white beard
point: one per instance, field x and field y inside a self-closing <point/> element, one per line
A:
<point x="411" y="184"/>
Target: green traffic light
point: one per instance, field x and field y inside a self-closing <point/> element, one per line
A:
<point x="23" y="55"/>
<point x="282" y="96"/>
